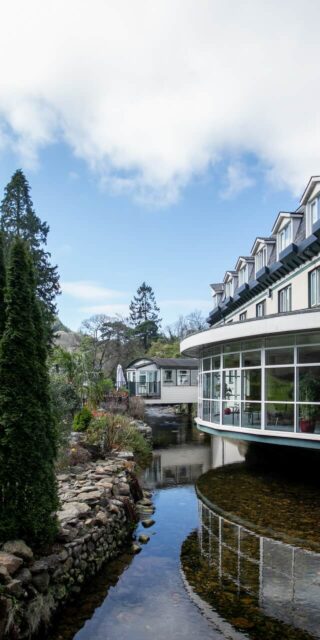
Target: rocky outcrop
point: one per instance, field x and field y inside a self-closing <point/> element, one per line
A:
<point x="96" y="517"/>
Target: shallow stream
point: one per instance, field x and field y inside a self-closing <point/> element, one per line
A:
<point x="239" y="560"/>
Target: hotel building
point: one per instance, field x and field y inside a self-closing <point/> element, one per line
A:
<point x="259" y="376"/>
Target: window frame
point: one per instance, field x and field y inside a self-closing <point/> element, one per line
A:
<point x="243" y="316"/>
<point x="315" y="272"/>
<point x="261" y="259"/>
<point x="263" y="303"/>
<point x="282" y="233"/>
<point x="314" y="205"/>
<point x="183" y="384"/>
<point x="288" y="289"/>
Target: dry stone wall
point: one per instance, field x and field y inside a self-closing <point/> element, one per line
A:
<point x="96" y="517"/>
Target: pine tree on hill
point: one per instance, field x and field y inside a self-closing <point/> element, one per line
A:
<point x="28" y="496"/>
<point x="144" y="315"/>
<point x="2" y="287"/>
<point x="18" y="219"/>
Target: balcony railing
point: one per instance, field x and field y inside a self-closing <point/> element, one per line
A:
<point x="145" y="389"/>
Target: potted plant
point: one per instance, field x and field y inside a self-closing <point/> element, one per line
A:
<point x="309" y="391"/>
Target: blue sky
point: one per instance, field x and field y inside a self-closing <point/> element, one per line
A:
<point x="105" y="245"/>
<point x="159" y="138"/>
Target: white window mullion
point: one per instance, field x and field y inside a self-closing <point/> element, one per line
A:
<point x="263" y="388"/>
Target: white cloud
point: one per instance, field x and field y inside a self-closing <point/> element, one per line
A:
<point x="150" y="94"/>
<point x="108" y="309"/>
<point x="86" y="290"/>
<point x="237" y="179"/>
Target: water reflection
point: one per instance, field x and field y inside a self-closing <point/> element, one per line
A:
<point x="147" y="597"/>
<point x="284" y="578"/>
<point x="255" y="558"/>
<point x="182" y="453"/>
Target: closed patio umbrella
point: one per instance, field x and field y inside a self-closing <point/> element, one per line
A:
<point x="120" y="379"/>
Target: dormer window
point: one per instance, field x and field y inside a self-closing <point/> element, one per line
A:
<point x="314" y="211"/>
<point x="228" y="289"/>
<point x="216" y="299"/>
<point x="285" y="237"/>
<point x="243" y="275"/>
<point x="261" y="259"/>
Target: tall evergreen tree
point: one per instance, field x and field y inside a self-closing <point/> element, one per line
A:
<point x="28" y="494"/>
<point x="2" y="287"/>
<point x="144" y="315"/>
<point x="18" y="219"/>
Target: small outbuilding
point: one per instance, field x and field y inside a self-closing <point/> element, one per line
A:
<point x="164" y="380"/>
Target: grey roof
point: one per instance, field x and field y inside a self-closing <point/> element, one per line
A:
<point x="176" y="362"/>
<point x="168" y="362"/>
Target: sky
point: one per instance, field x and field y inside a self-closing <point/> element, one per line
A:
<point x="159" y="137"/>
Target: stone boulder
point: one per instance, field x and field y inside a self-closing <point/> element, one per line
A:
<point x="73" y="511"/>
<point x="10" y="562"/>
<point x="18" y="548"/>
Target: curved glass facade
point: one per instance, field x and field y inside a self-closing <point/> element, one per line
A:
<point x="270" y="383"/>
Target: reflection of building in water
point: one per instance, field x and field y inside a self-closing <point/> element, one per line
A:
<point x="224" y="451"/>
<point x="185" y="463"/>
<point x="178" y="465"/>
<point x="285" y="579"/>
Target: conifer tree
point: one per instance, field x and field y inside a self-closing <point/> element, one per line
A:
<point x="28" y="494"/>
<point x="18" y="218"/>
<point x="144" y="315"/>
<point x="2" y="287"/>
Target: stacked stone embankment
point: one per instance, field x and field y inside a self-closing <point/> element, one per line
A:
<point x="96" y="517"/>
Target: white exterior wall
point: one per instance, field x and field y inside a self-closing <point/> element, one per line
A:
<point x="299" y="280"/>
<point x="175" y="395"/>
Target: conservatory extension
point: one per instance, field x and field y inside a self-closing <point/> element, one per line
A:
<point x="259" y="376"/>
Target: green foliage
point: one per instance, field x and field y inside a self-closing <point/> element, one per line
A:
<point x="2" y="288"/>
<point x="82" y="419"/>
<point x="144" y="315"/>
<point x="116" y="432"/>
<point x="28" y="494"/>
<point x="18" y="219"/>
<point x="65" y="402"/>
<point x="164" y="349"/>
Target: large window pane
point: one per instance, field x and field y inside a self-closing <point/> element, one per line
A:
<point x="309" y="354"/>
<point x="309" y="418"/>
<point x="231" y="385"/>
<point x="216" y="385"/>
<point x="279" y="356"/>
<point x="216" y="362"/>
<point x="233" y="346"/>
<point x="308" y="338"/>
<point x="280" y="417"/>
<point x="231" y="414"/>
<point x="251" y="415"/>
<point x="279" y="341"/>
<point x="207" y="385"/>
<point x="206" y="410"/>
<point x="280" y="384"/>
<point x="231" y="360"/>
<point x="252" y="344"/>
<point x="207" y="364"/>
<point x="215" y="412"/>
<point x="251" y="359"/>
<point x="251" y="384"/>
<point x="308" y="384"/>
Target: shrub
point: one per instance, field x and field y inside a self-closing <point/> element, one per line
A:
<point x="82" y="419"/>
<point x="115" y="432"/>
<point x="136" y="407"/>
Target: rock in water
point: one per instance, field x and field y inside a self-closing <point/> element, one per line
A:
<point x="143" y="538"/>
<point x="148" y="523"/>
